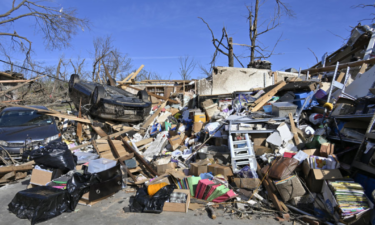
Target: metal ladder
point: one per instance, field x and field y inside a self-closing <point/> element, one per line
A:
<point x="242" y="156"/>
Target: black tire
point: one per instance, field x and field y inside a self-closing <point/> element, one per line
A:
<point x="97" y="94"/>
<point x="74" y="78"/>
<point x="143" y="95"/>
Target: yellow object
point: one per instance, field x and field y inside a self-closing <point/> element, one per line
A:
<point x="177" y="115"/>
<point x="200" y="118"/>
<point x="328" y="105"/>
<point x="153" y="188"/>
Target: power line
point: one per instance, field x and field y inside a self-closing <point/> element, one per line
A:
<point x="24" y="68"/>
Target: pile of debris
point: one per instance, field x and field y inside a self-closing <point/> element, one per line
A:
<point x="298" y="149"/>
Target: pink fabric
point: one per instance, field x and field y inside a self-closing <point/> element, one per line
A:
<point x="201" y="187"/>
<point x="230" y="194"/>
<point x="211" y="191"/>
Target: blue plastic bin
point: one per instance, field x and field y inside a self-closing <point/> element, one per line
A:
<point x="300" y="98"/>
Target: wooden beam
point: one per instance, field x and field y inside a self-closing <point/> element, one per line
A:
<point x="139" y="157"/>
<point x="363" y="68"/>
<point x="143" y="142"/>
<point x="7" y="169"/>
<point x="111" y="81"/>
<point x="79" y="124"/>
<point x="117" y="155"/>
<point x="267" y="96"/>
<point x="341" y="66"/>
<point x="13" y="81"/>
<point x="99" y="131"/>
<point x="153" y="116"/>
<point x="156" y="96"/>
<point x="341" y="76"/>
<point x="293" y="129"/>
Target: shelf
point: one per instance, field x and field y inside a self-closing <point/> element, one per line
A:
<point x="336" y="138"/>
<point x="354" y="116"/>
<point x="252" y="131"/>
<point x="364" y="167"/>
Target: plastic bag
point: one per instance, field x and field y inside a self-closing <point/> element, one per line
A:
<point x="56" y="156"/>
<point x="39" y="204"/>
<point x="142" y="202"/>
<point x="77" y="186"/>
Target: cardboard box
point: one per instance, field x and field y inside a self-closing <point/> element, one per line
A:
<point x="174" y="111"/>
<point x="197" y="126"/>
<point x="161" y="179"/>
<point x="260" y="150"/>
<point x="40" y="177"/>
<point x="199" y="167"/>
<point x="248" y="183"/>
<point x="161" y="169"/>
<point x="315" y="177"/>
<point x="178" y="207"/>
<point x="175" y="141"/>
<point x="216" y="169"/>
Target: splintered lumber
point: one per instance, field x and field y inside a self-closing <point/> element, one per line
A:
<point x="79" y="124"/>
<point x="154" y="95"/>
<point x="341" y="66"/>
<point x="51" y="113"/>
<point x="13" y="81"/>
<point x="271" y="194"/>
<point x="117" y="155"/>
<point x="18" y="86"/>
<point x="143" y="142"/>
<point x="111" y="81"/>
<point x="139" y="157"/>
<point x="267" y="96"/>
<point x="153" y="116"/>
<point x="99" y="131"/>
<point x="132" y="76"/>
<point x="8" y="169"/>
<point x="293" y="129"/>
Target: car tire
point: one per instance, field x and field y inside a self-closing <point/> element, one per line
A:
<point x="74" y="78"/>
<point x="97" y="94"/>
<point x="143" y="95"/>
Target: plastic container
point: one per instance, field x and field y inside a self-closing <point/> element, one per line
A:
<point x="267" y="108"/>
<point x="99" y="165"/>
<point x="282" y="109"/>
<point x="200" y="117"/>
<point x="302" y="96"/>
<point x="320" y="94"/>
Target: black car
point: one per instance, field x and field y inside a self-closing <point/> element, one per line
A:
<point x="19" y="125"/>
<point x="108" y="102"/>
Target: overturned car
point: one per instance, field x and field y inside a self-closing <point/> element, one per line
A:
<point x="108" y="102"/>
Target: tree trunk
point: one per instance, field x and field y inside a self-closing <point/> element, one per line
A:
<point x="230" y="55"/>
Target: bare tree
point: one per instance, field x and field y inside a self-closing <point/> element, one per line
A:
<point x="56" y="25"/>
<point x="257" y="50"/>
<point x="187" y="66"/>
<point x="148" y="75"/>
<point x="117" y="64"/>
<point x="204" y="70"/>
<point x="220" y="47"/>
<point x="366" y="6"/>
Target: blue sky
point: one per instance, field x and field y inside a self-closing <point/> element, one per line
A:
<point x="156" y="32"/>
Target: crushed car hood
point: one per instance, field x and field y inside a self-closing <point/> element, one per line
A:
<point x="20" y="133"/>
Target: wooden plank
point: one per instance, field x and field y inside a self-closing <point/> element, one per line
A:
<point x="13" y="81"/>
<point x="155" y="95"/>
<point x="121" y="162"/>
<point x="341" y="66"/>
<point x="99" y="131"/>
<point x="363" y="68"/>
<point x="143" y="142"/>
<point x="7" y="169"/>
<point x="267" y="96"/>
<point x="153" y="116"/>
<point x="341" y="76"/>
<point x="293" y="129"/>
<point x="139" y="157"/>
<point x="79" y="124"/>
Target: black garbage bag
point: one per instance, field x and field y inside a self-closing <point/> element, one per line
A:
<point x="142" y="202"/>
<point x="56" y="156"/>
<point x="39" y="204"/>
<point x="77" y="186"/>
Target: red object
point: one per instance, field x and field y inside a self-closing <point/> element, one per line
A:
<point x="289" y="154"/>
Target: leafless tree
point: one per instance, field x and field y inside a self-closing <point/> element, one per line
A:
<point x="148" y="75"/>
<point x="220" y="47"/>
<point x="205" y="71"/>
<point x="257" y="50"/>
<point x="56" y="25"/>
<point x="317" y="60"/>
<point x="117" y="64"/>
<point x="366" y="6"/>
<point x="187" y="66"/>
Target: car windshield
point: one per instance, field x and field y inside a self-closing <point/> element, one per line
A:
<point x="24" y="118"/>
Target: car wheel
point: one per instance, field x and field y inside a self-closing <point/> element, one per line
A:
<point x="143" y="95"/>
<point x="97" y="94"/>
<point x="74" y="78"/>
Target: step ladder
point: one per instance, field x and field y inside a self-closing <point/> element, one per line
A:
<point x="242" y="156"/>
